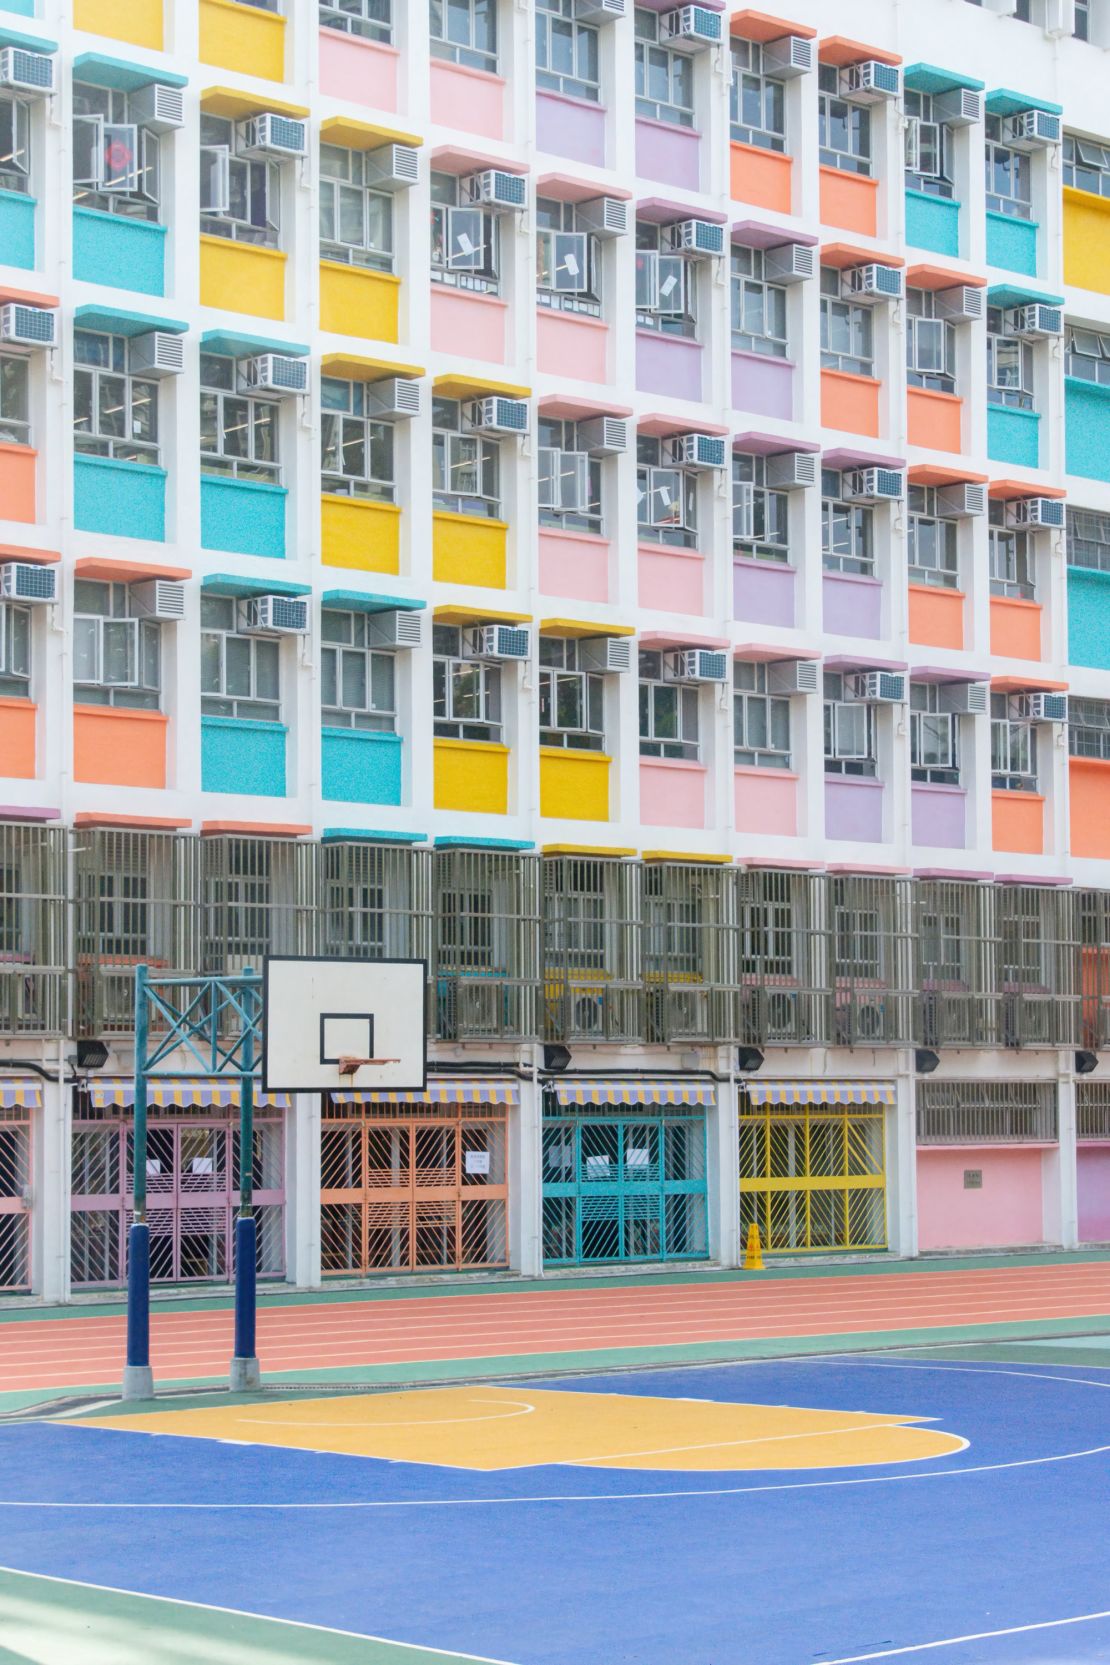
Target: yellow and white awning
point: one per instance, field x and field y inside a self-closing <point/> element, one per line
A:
<point x="442" y="1092"/>
<point x="164" y="1093"/>
<point x="20" y="1093"/>
<point x="820" y="1092"/>
<point x="580" y="1090"/>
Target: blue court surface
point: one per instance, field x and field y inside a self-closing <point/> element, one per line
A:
<point x="996" y="1552"/>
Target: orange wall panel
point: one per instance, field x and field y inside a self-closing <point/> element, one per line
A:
<point x="1015" y="627"/>
<point x="759" y="176"/>
<point x="1089" y="797"/>
<point x="936" y="616"/>
<point x="849" y="201"/>
<point x="850" y="402"/>
<point x="114" y="747"/>
<point x="17" y="482"/>
<point x="934" y="419"/>
<point x="1018" y="822"/>
<point x="17" y="739"/>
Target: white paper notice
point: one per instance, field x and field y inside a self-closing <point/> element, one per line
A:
<point x="477" y="1161"/>
<point x="667" y="286"/>
<point x="635" y="1158"/>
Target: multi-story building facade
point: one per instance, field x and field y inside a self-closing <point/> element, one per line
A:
<point x="615" y="500"/>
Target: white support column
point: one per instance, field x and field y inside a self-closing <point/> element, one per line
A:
<point x="723" y="1175"/>
<point x="1066" y="1199"/>
<point x="50" y="1191"/>
<point x="526" y="1181"/>
<point x="302" y="1191"/>
<point x="901" y="1166"/>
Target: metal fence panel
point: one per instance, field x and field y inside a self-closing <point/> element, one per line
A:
<point x="780" y="961"/>
<point x="34" y="957"/>
<point x="591" y="949"/>
<point x="689" y="951"/>
<point x="986" y="1112"/>
<point x="870" y="945"/>
<point x="487" y="961"/>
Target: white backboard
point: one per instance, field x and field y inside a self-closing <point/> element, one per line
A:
<point x="316" y="1011"/>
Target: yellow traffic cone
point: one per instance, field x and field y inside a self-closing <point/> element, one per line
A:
<point x="753" y="1257"/>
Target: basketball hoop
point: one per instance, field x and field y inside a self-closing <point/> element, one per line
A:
<point x="351" y="1066"/>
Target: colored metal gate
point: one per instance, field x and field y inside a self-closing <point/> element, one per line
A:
<point x="15" y="1182"/>
<point x="813" y="1174"/>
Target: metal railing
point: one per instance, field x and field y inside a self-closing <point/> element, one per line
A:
<point x="34" y="953"/>
<point x="1092" y="1111"/>
<point x="987" y="1113"/>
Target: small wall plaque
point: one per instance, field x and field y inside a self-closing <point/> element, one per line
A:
<point x="973" y="1179"/>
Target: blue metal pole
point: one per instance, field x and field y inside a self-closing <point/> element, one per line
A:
<point x="138" y="1378"/>
<point x="245" y="1369"/>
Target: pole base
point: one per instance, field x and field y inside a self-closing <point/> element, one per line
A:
<point x="246" y="1375"/>
<point x="138" y="1382"/>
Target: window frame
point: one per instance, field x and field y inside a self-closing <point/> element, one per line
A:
<point x="772" y="297"/>
<point x="1075" y="164"/>
<point x="1016" y="171"/>
<point x="16" y="650"/>
<point x="772" y="709"/>
<point x="748" y="77"/>
<point x="1073" y="538"/>
<point x="842" y="757"/>
<point x="749" y="484"/>
<point x="362" y="23"/>
<point x="140" y="200"/>
<point x="1019" y="395"/>
<point x="921" y="510"/>
<point x="355" y="426"/>
<point x="483" y="273"/>
<point x="857" y="324"/>
<point x="562" y="438"/>
<point x="15" y="430"/>
<point x="15" y="175"/>
<point x="365" y="252"/>
<point x="449" y="445"/>
<point x="659" y="271"/>
<point x="852" y="157"/>
<point x="1011" y="558"/>
<point x="551" y="16"/>
<point x="921" y="314"/>
<point x="449" y="671"/>
<point x="94" y="442"/>
<point x="920" y="115"/>
<point x="1013" y="748"/>
<point x="367" y="717"/>
<point x="584" y="298"/>
<point x="649" y="52"/>
<point x="680" y="532"/>
<point x="261" y="469"/>
<point x="466" y="53"/>
<point x="252" y="707"/>
<point x="654" y="692"/>
<point x="860" y="523"/>
<point x="258" y="178"/>
<point x="141" y="691"/>
<point x="925" y="716"/>
<point x="559" y="667"/>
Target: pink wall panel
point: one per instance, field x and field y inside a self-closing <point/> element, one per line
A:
<point x="672" y="580"/>
<point x="569" y="345"/>
<point x="1094" y="1193"/>
<point x="767" y="801"/>
<point x="469" y="99"/>
<point x="467" y="323"/>
<point x="1008" y="1211"/>
<point x="574" y="565"/>
<point x="672" y="792"/>
<point x="361" y="71"/>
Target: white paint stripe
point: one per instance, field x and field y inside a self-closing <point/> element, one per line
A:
<point x="975" y="1370"/>
<point x="975" y="1636"/>
<point x="372" y="1427"/>
<point x="767" y="1439"/>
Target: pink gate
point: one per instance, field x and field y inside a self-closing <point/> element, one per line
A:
<point x="17" y="1099"/>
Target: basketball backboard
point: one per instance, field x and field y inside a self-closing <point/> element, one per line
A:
<point x="321" y="1014"/>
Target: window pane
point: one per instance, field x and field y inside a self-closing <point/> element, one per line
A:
<point x="237" y="662"/>
<point x="266" y="664"/>
<point x="354" y="681"/>
<point x="381" y="682"/>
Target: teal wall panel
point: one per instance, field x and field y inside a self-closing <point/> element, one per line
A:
<point x="932" y="223"/>
<point x="242" y="517"/>
<point x="1012" y="244"/>
<point x="17" y="229"/>
<point x="123" y="253"/>
<point x="1089" y="618"/>
<point x="360" y="767"/>
<point x="126" y="499"/>
<point x="1087" y="433"/>
<point x="241" y="756"/>
<point x="1014" y="436"/>
<point x="25" y="8"/>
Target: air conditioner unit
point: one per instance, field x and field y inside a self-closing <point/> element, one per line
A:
<point x="159" y="598"/>
<point x="271" y="135"/>
<point x="960" y="305"/>
<point x="698" y="237"/>
<point x="604" y="216"/>
<point x="273" y="615"/>
<point x="872" y="282"/>
<point x="863" y="1020"/>
<point x="1034" y="513"/>
<point x="605" y="653"/>
<point x="870" y="82"/>
<point x="788" y="56"/>
<point x="393" y="167"/>
<point x="873" y="485"/>
<point x="27" y="72"/>
<point x="695" y="665"/>
<point x="696" y="451"/>
<point x="793" y="676"/>
<point x="1046" y="708"/>
<point x="157" y="354"/>
<point x="604" y="436"/>
<point x="397" y="397"/>
<point x="1035" y="321"/>
<point x="497" y="641"/>
<point x="158" y="107"/>
<point x="398" y="628"/>
<point x="1032" y="130"/>
<point x="790" y="263"/>
<point x="966" y="500"/>
<point x="26" y="581"/>
<point x="274" y="373"/>
<point x="495" y="189"/>
<point x="599" y="11"/>
<point x="694" y="25"/>
<point x="962" y="107"/>
<point x="496" y="415"/>
<point x="876" y="687"/>
<point x="791" y="470"/>
<point x="964" y="699"/>
<point x="27" y="326"/>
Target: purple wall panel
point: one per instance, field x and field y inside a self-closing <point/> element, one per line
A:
<point x="763" y="385"/>
<point x="853" y="605"/>
<point x="939" y="816"/>
<point x="854" y="809"/>
<point x="668" y="153"/>
<point x="570" y="127"/>
<point x="763" y="592"/>
<point x="668" y="364"/>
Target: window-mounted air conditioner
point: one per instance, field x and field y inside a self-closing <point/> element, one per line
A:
<point x="273" y="615"/>
<point x="791" y="470"/>
<point x="605" y="653"/>
<point x="695" y="451"/>
<point x="1034" y="513"/>
<point x="695" y="665"/>
<point x="870" y="82"/>
<point x="788" y="56"/>
<point x="271" y="135"/>
<point x="860" y="1020"/>
<point x="26" y="72"/>
<point x="28" y="582"/>
<point x="793" y="676"/>
<point x="1032" y="130"/>
<point x="496" y="415"/>
<point x="604" y="216"/>
<point x="159" y="598"/>
<point x="493" y="188"/>
<point x="600" y="11"/>
<point x="27" y="326"/>
<point x="497" y="641"/>
<point x="692" y="25"/>
<point x="393" y="167"/>
<point x="157" y="354"/>
<point x="790" y="263"/>
<point x="695" y="237"/>
<point x="398" y="397"/>
<point x="158" y="107"/>
<point x="962" y="304"/>
<point x="961" y="107"/>
<point x="1035" y="321"/>
<point x="872" y="283"/>
<point x="1045" y="707"/>
<point x="966" y="500"/>
<point x="964" y="699"/>
<point x="604" y="436"/>
<point x="398" y="628"/>
<point x="873" y="485"/>
<point x="876" y="687"/>
<point x="274" y="373"/>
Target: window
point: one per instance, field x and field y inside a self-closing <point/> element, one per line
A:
<point x="465" y="467"/>
<point x="115" y="414"/>
<point x="930" y="344"/>
<point x="356" y="222"/>
<point x="928" y="147"/>
<point x="843" y="129"/>
<point x="239" y="675"/>
<point x="849" y="731"/>
<point x="373" y="19"/>
<point x="1089" y="539"/>
<point x="15" y="651"/>
<point x="238" y="435"/>
<point x="572" y="701"/>
<point x="569" y="479"/>
<point x="760" y="721"/>
<point x="1012" y="569"/>
<point x="666" y="284"/>
<point x="465" y="32"/>
<point x="568" y="260"/>
<point x="1086" y="165"/>
<point x="115" y="159"/>
<point x="358" y="684"/>
<point x="1013" y="745"/>
<point x="465" y="241"/>
<point x="933" y="541"/>
<point x="934" y="737"/>
<point x="1009" y="189"/>
<point x="117" y="659"/>
<point x="847" y="333"/>
<point x="15" y="144"/>
<point x="1087" y="355"/>
<point x="668" y="713"/>
<point x="240" y="198"/>
<point x="1081" y="28"/>
<point x="664" y="78"/>
<point x="356" y="451"/>
<point x="1009" y="364"/>
<point x="667" y="498"/>
<point x="859" y="938"/>
<point x="757" y="102"/>
<point x="847" y="540"/>
<point x="1089" y="728"/>
<point x="566" y="51"/>
<point x="15" y="404"/>
<point x="466" y="693"/>
<point x="760" y="517"/>
<point x="758" y="307"/>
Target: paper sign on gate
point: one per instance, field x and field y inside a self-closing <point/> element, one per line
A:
<point x="477" y="1161"/>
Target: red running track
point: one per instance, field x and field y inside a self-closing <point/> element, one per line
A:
<point x="305" y="1335"/>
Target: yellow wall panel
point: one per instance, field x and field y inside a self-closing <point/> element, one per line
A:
<point x="242" y="38"/>
<point x="573" y="784"/>
<point x="467" y="550"/>
<point x="241" y="277"/>
<point x="472" y="775"/>
<point x="137" y="21"/>
<point x="1086" y="240"/>
<point x="358" y="533"/>
<point x="357" y="301"/>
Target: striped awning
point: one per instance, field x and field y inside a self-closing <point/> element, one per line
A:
<point x="442" y="1092"/>
<point x="578" y="1090"/>
<point x="820" y="1092"/>
<point x="18" y="1093"/>
<point x="166" y="1093"/>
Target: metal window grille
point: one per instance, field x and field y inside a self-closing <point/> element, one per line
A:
<point x="376" y="901"/>
<point x="1033" y="963"/>
<point x="689" y="948"/>
<point x="986" y="1112"/>
<point x="258" y="898"/>
<point x="591" y="949"/>
<point x="782" y="988"/>
<point x="487" y="961"/>
<point x="870" y="925"/>
<point x="33" y="949"/>
<point x="1092" y="1105"/>
<point x="814" y="1177"/>
<point x="951" y="926"/>
<point x="15" y="1214"/>
<point x="1092" y="931"/>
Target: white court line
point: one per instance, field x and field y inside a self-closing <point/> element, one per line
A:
<point x="767" y="1439"/>
<point x="970" y="1370"/>
<point x="976" y="1636"/>
<point x="371" y="1427"/>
